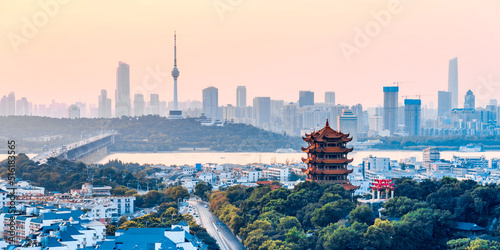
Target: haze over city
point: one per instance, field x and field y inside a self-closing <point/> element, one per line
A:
<point x="274" y="48"/>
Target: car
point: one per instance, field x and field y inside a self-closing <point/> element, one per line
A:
<point x="196" y="215"/>
<point x="206" y="206"/>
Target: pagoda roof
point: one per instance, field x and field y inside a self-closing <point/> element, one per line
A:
<point x="327" y="172"/>
<point x="332" y="161"/>
<point x="326" y="132"/>
<point x="313" y="149"/>
<point x="349" y="186"/>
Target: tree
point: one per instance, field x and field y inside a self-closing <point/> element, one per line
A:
<point x="379" y="235"/>
<point x="345" y="237"/>
<point x="362" y="214"/>
<point x="201" y="189"/>
<point x="255" y="239"/>
<point x="331" y="212"/>
<point x="287" y="223"/>
<point x="399" y="206"/>
<point x="110" y="230"/>
<point x="265" y="226"/>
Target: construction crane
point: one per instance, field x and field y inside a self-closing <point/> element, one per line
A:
<point x="397" y="83"/>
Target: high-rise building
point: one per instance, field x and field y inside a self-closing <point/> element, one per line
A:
<point x="211" y="103"/>
<point x="262" y="112"/>
<point x="175" y="113"/>
<point x="154" y="104"/>
<point x="11" y="104"/>
<point x="430" y="155"/>
<point x="291" y="119"/>
<point x="330" y="98"/>
<point x="391" y="108"/>
<point x="122" y="95"/>
<point x="412" y="116"/>
<point x="83" y="108"/>
<point x="4" y="106"/>
<point x="74" y="111"/>
<point x="348" y="124"/>
<point x="22" y="107"/>
<point x="453" y="82"/>
<point x="241" y="96"/>
<point x="139" y="105"/>
<point x="444" y="103"/>
<point x="470" y="100"/>
<point x="306" y="98"/>
<point x="104" y="105"/>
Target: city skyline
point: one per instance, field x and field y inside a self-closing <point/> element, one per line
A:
<point x="307" y="50"/>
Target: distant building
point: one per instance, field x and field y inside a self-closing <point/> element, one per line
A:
<point x="470" y="100"/>
<point x="453" y="82"/>
<point x="211" y="103"/>
<point x="412" y="116"/>
<point x="391" y="108"/>
<point x="122" y="95"/>
<point x="241" y="96"/>
<point x="104" y="105"/>
<point x="330" y="98"/>
<point x="430" y="155"/>
<point x="154" y="104"/>
<point x="306" y="98"/>
<point x="139" y="105"/>
<point x="74" y="112"/>
<point x="444" y="103"/>
<point x="347" y="123"/>
<point x="291" y="119"/>
<point x="377" y="164"/>
<point x="262" y="112"/>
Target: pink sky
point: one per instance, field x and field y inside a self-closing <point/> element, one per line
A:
<point x="274" y="47"/>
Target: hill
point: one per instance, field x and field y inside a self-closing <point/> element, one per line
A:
<point x="146" y="133"/>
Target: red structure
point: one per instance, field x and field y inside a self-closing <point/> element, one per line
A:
<point x="382" y="185"/>
<point x="327" y="157"/>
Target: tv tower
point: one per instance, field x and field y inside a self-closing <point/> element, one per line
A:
<point x="175" y="72"/>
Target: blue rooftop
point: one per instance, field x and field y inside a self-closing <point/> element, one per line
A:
<point x="413" y="102"/>
<point x="391" y="89"/>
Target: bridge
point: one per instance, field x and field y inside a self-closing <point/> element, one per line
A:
<point x="88" y="151"/>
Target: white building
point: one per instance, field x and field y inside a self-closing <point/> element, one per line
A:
<point x="280" y="174"/>
<point x="377" y="163"/>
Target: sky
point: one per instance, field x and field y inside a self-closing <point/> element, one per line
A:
<point x="68" y="50"/>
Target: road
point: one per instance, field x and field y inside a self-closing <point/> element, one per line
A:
<point x="218" y="230"/>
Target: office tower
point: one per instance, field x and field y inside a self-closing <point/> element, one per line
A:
<point x="22" y="107"/>
<point x="357" y="110"/>
<point x="430" y="155"/>
<point x="291" y="119"/>
<point x="241" y="96"/>
<point x="276" y="124"/>
<point x="348" y="124"/>
<point x="412" y="116"/>
<point x="306" y="98"/>
<point x="229" y="113"/>
<point x="262" y="111"/>
<point x="453" y="82"/>
<point x="391" y="108"/>
<point x="4" y="106"/>
<point x="11" y="104"/>
<point x="139" y="105"/>
<point x="211" y="103"/>
<point x="154" y="104"/>
<point x="444" y="103"/>
<point x="104" y="105"/>
<point x="330" y="98"/>
<point x="470" y="100"/>
<point x="74" y="112"/>
<point x="122" y="94"/>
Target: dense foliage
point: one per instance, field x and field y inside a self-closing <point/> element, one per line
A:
<point x="64" y="175"/>
<point x="146" y="133"/>
<point x="322" y="216"/>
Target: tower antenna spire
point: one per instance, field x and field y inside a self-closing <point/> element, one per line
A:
<point x="175" y="49"/>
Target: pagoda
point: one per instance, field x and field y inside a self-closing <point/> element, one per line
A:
<point x="327" y="157"/>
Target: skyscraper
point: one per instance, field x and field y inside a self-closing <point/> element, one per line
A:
<point x="104" y="109"/>
<point x="453" y="82"/>
<point x="470" y="100"/>
<point x="391" y="108"/>
<point x="211" y="103"/>
<point x="306" y="98"/>
<point x="348" y="124"/>
<point x="138" y="105"/>
<point x="176" y="113"/>
<point x="412" y="116"/>
<point x="291" y="119"/>
<point x="11" y="104"/>
<point x="444" y="103"/>
<point x="262" y="111"/>
<point x="74" y="111"/>
<point x="241" y="96"/>
<point x="330" y="98"/>
<point x="122" y="95"/>
<point x="154" y="104"/>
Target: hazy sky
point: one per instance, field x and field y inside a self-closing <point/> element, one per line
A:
<point x="69" y="50"/>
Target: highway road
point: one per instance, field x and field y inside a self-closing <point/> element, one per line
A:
<point x="221" y="233"/>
